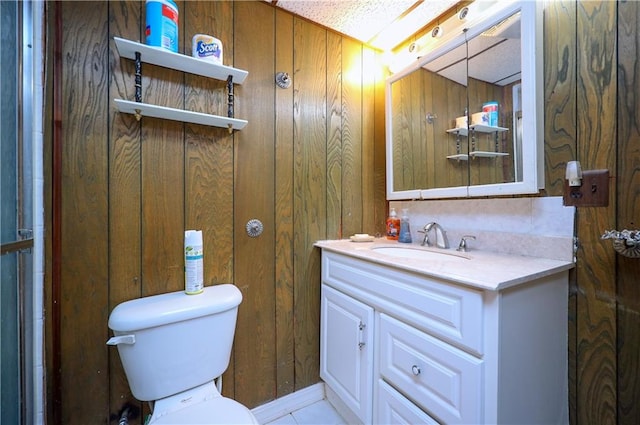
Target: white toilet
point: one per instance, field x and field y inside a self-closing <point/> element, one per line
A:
<point x="173" y="347"/>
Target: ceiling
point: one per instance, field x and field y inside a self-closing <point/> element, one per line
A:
<point x="380" y="23"/>
<point x="493" y="56"/>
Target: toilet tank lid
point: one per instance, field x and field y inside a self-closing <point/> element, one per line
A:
<point x="158" y="310"/>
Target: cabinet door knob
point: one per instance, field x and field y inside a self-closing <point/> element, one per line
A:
<point x="415" y="370"/>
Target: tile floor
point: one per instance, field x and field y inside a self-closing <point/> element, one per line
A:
<point x="319" y="413"/>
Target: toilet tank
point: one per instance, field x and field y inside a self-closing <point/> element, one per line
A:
<point x="172" y="342"/>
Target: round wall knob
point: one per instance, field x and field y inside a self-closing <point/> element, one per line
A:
<point x="283" y="80"/>
<point x="254" y="228"/>
<point x="415" y="370"/>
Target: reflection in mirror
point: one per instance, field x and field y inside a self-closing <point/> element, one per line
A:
<point x="421" y="104"/>
<point x="494" y="76"/>
<point x="489" y="74"/>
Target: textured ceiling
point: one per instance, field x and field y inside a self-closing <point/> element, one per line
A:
<point x="393" y="20"/>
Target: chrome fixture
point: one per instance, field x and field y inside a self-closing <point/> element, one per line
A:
<point x="462" y="247"/>
<point x="625" y="242"/>
<point x="441" y="236"/>
<point x="283" y="80"/>
<point x="254" y="228"/>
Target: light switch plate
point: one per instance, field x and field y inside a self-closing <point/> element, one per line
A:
<point x="594" y="191"/>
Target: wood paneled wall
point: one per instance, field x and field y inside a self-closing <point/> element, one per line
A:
<point x="591" y="114"/>
<point x="628" y="212"/>
<point x="309" y="165"/>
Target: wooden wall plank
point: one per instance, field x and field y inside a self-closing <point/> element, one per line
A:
<point x="596" y="314"/>
<point x="124" y="193"/>
<point x="310" y="203"/>
<point x="560" y="92"/>
<point x="335" y="167"/>
<point x="397" y="128"/>
<point x="84" y="306"/>
<point x="423" y="144"/>
<point x="351" y="130"/>
<point x="417" y="130"/>
<point x="628" y="205"/>
<point x="485" y="170"/>
<point x="369" y="72"/>
<point x="450" y="103"/>
<point x="209" y="150"/>
<point x="560" y="136"/>
<point x="508" y="172"/>
<point x="435" y="133"/>
<point x="379" y="138"/>
<point x="163" y="182"/>
<point x="284" y="275"/>
<point x="254" y="194"/>
<point x="404" y="176"/>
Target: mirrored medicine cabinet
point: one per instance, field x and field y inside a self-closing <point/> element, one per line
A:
<point x="465" y="119"/>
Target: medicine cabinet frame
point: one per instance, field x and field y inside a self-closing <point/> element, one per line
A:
<point x="532" y="122"/>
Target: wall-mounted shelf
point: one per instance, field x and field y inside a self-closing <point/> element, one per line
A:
<point x="140" y="109"/>
<point x="476" y="154"/>
<point x="459" y="157"/>
<point x="161" y="57"/>
<point x="475" y="128"/>
<point x="481" y="128"/>
<point x="156" y="56"/>
<point x="478" y="128"/>
<point x="487" y="154"/>
<point x="461" y="131"/>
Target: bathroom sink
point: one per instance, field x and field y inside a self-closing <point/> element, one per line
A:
<point x="420" y="254"/>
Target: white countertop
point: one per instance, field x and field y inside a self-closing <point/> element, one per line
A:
<point x="481" y="269"/>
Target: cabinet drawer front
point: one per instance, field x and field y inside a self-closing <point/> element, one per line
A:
<point x="439" y="378"/>
<point x="393" y="408"/>
<point x="449" y="311"/>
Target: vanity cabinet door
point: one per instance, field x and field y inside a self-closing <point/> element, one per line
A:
<point x="346" y="350"/>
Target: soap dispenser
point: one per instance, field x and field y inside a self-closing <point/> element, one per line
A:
<point x="405" y="229"/>
<point x="393" y="225"/>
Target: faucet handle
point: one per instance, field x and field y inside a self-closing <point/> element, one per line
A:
<point x="463" y="243"/>
<point x="425" y="241"/>
<point x="425" y="230"/>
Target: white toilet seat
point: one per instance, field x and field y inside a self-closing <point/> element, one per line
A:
<point x="217" y="410"/>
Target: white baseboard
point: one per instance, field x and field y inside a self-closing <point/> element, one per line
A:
<point x="277" y="408"/>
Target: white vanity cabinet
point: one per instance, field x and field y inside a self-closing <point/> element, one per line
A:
<point x="439" y="351"/>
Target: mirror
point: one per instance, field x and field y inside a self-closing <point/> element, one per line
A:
<point x="465" y="119"/>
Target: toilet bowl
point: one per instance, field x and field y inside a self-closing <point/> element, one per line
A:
<point x="173" y="347"/>
<point x="201" y="405"/>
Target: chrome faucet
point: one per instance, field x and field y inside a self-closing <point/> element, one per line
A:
<point x="441" y="235"/>
<point x="462" y="247"/>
